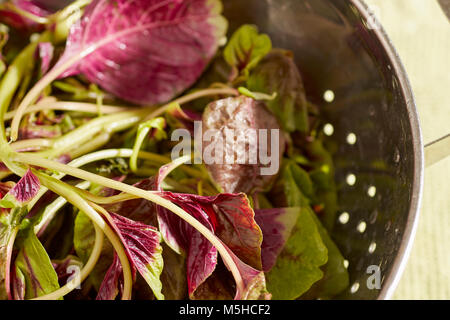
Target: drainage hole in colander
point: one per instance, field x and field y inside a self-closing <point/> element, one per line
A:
<point x="344" y="217"/>
<point x="328" y="96"/>
<point x="328" y="129"/>
<point x="372" y="191"/>
<point x="372" y="247"/>
<point x="354" y="287"/>
<point x="346" y="263"/>
<point x="351" y="138"/>
<point x="361" y="226"/>
<point x="351" y="179"/>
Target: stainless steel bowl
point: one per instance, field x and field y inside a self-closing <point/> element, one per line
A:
<point x="340" y="48"/>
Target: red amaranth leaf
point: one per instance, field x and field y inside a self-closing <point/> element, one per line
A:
<point x="145" y="51"/>
<point x="229" y="216"/>
<point x="142" y="244"/>
<point x="27" y="187"/>
<point x="235" y="162"/>
<point x="110" y="287"/>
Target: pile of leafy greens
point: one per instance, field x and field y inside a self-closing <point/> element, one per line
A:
<point x="92" y="204"/>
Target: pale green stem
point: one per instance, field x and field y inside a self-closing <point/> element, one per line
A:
<point x="25" y="14"/>
<point x="193" y="96"/>
<point x="71" y="106"/>
<point x="31" y="144"/>
<point x="84" y="133"/>
<point x="77" y="201"/>
<point x="53" y="208"/>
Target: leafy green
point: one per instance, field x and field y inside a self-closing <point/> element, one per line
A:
<point x="298" y="265"/>
<point x="9" y="225"/>
<point x="336" y="277"/>
<point x="246" y="48"/>
<point x="36" y="267"/>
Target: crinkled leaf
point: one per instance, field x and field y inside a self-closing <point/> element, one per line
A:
<point x="278" y="73"/>
<point x="298" y="265"/>
<point x="145" y="51"/>
<point x="36" y="267"/>
<point x="110" y="287"/>
<point x="233" y="154"/>
<point x="246" y="48"/>
<point x="142" y="244"/>
<point x="276" y="225"/>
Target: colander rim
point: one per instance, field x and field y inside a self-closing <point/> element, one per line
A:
<point x="394" y="274"/>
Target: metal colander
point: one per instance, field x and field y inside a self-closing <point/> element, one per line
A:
<point x="352" y="71"/>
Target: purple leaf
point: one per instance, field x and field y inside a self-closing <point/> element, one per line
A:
<point x="234" y="161"/>
<point x="145" y="51"/>
<point x="201" y="254"/>
<point x="12" y="18"/>
<point x="45" y="53"/>
<point x="27" y="187"/>
<point x="276" y="226"/>
<point x="229" y="216"/>
<point x="109" y="289"/>
<point x="142" y="244"/>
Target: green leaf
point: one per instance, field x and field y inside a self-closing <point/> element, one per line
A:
<point x="246" y="48"/>
<point x="36" y="267"/>
<point x="336" y="277"/>
<point x="9" y="225"/>
<point x="298" y="265"/>
<point x="294" y="186"/>
<point x="322" y="177"/>
<point x="277" y="72"/>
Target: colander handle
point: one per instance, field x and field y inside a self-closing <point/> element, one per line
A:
<point x="445" y="5"/>
<point x="437" y="150"/>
